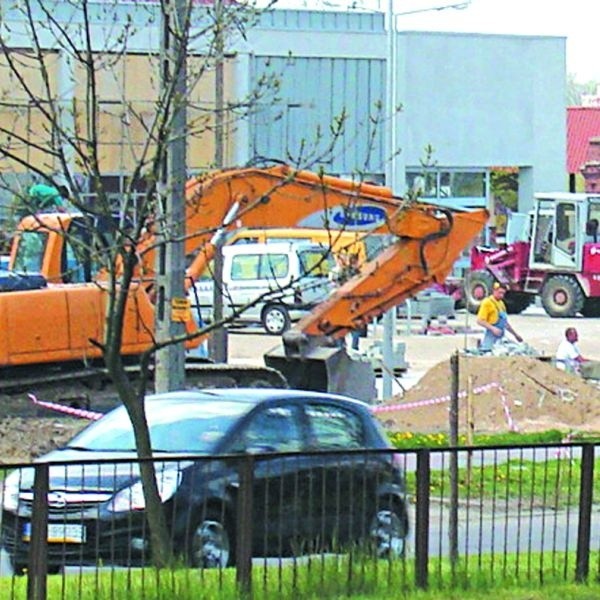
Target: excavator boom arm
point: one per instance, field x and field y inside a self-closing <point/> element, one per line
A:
<point x="274" y="197"/>
<point x="428" y="243"/>
<point x="425" y="241"/>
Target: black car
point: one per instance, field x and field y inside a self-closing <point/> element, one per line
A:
<point x="314" y="485"/>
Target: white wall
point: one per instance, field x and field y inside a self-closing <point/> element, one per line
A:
<point x="485" y="100"/>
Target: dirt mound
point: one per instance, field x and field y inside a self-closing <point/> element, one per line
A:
<point x="510" y="392"/>
<point x="22" y="439"/>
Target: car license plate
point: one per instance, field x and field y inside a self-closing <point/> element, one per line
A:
<point x="64" y="533"/>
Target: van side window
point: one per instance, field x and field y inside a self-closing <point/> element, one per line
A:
<point x="274" y="266"/>
<point x="245" y="266"/>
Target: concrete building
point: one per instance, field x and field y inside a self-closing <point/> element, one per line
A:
<point x="479" y="101"/>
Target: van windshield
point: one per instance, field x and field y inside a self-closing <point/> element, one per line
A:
<point x="315" y="262"/>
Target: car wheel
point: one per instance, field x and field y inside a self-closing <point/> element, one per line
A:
<point x="211" y="543"/>
<point x="275" y="319"/>
<point x="388" y="531"/>
<point x="562" y="296"/>
<point x="477" y="287"/>
<point x="18" y="568"/>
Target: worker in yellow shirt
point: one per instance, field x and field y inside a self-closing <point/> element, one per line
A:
<point x="492" y="316"/>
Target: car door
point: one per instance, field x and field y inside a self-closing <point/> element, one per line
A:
<point x="275" y="273"/>
<point x="349" y="482"/>
<point x="279" y="480"/>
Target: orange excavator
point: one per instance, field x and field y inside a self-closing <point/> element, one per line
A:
<point x="54" y="324"/>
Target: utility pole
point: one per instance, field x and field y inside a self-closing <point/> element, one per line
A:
<point x="218" y="347"/>
<point x="171" y="295"/>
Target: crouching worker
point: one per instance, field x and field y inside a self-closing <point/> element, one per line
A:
<point x="493" y="317"/>
<point x="568" y="357"/>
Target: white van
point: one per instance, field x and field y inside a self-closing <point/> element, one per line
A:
<point x="285" y="280"/>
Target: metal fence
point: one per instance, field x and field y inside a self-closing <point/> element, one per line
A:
<point x="304" y="523"/>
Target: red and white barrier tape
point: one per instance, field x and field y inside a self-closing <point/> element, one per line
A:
<point x="442" y="399"/>
<point x="69" y="410"/>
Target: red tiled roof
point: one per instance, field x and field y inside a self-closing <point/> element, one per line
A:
<point x="583" y="123"/>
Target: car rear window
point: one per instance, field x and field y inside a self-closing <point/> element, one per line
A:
<point x="332" y="427"/>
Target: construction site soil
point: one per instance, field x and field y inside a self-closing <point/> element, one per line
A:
<point x="518" y="393"/>
<point x="509" y="393"/>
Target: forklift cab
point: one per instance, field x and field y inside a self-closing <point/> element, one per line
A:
<point x="561" y="225"/>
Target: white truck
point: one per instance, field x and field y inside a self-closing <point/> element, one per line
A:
<point x="278" y="282"/>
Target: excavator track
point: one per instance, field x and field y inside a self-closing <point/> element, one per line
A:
<point x="90" y="387"/>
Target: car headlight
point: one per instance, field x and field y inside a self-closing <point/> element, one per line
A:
<point x="10" y="492"/>
<point x="132" y="498"/>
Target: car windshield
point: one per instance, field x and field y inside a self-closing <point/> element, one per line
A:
<point x="182" y="427"/>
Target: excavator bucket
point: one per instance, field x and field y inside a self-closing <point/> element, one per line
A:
<point x="323" y="369"/>
<point x="428" y="240"/>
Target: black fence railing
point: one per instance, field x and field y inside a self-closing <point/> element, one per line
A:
<point x="327" y="523"/>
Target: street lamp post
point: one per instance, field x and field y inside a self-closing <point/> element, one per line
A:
<point x="391" y="171"/>
<point x="389" y="319"/>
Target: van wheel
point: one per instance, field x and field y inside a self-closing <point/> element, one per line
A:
<point x="275" y="319"/>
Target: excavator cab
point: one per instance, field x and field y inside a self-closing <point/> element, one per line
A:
<point x="63" y="246"/>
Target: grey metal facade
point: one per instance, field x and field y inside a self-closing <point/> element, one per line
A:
<point x="480" y="101"/>
<point x="315" y="94"/>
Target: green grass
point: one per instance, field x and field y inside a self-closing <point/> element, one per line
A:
<point x="550" y="592"/>
<point x="552" y="483"/>
<point x="407" y="440"/>
<point x="356" y="576"/>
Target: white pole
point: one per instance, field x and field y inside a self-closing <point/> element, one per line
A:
<point x="389" y="324"/>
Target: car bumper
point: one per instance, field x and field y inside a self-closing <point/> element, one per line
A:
<point x="122" y="541"/>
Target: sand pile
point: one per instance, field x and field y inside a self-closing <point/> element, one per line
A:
<point x="525" y="394"/>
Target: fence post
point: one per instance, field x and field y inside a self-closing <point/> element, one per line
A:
<point x="582" y="567"/>
<point x="243" y="553"/>
<point x="422" y="519"/>
<point x="38" y="562"/>
<point x="453" y="509"/>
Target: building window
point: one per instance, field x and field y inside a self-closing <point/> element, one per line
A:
<point x="422" y="184"/>
<point x="464" y="187"/>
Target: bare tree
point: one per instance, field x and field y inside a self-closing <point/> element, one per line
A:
<point x="68" y="68"/>
<point x="70" y="120"/>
